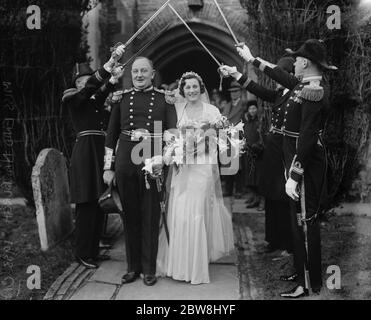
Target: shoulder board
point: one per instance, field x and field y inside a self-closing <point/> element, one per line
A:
<point x="68" y="94"/>
<point x="159" y="90"/>
<point x="312" y="92"/>
<point x="128" y="90"/>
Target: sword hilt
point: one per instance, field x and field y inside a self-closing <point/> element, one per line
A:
<point x="240" y="44"/>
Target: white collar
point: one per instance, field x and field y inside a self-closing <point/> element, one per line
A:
<point x="144" y="90"/>
<point x="312" y="78"/>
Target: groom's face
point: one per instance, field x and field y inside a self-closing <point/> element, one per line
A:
<point x="142" y="73"/>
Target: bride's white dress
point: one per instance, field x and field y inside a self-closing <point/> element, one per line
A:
<point x="200" y="226"/>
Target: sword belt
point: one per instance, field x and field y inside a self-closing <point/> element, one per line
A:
<point x="90" y="133"/>
<point x="136" y="135"/>
<point x="293" y="134"/>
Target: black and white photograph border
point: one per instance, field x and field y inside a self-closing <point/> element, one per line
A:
<point x="110" y="189"/>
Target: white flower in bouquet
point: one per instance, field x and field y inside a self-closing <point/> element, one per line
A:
<point x="150" y="163"/>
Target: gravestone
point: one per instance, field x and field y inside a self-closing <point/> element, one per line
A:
<point x="52" y="197"/>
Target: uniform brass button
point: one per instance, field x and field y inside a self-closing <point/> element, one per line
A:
<point x="131" y="103"/>
<point x="131" y="97"/>
<point x="153" y="98"/>
<point x="131" y="110"/>
<point x="131" y="117"/>
<point x="150" y="110"/>
<point x="148" y="123"/>
<point x="96" y="110"/>
<point x="151" y="104"/>
<point x="131" y="123"/>
<point x="149" y="117"/>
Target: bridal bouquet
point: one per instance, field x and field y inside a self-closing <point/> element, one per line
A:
<point x="197" y="137"/>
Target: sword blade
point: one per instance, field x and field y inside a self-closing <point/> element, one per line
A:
<point x="145" y="46"/>
<point x="226" y="22"/>
<point x="146" y="23"/>
<point x="194" y="35"/>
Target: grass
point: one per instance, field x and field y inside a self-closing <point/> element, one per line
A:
<point x="346" y="242"/>
<point x="20" y="248"/>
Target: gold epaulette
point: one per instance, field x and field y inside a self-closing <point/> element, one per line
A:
<point x="69" y="93"/>
<point x="312" y="92"/>
<point x="128" y="90"/>
<point x="159" y="90"/>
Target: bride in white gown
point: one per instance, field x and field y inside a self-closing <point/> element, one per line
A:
<point x="200" y="226"/>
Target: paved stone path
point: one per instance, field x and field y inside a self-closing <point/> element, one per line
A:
<point x="246" y="275"/>
<point x="104" y="283"/>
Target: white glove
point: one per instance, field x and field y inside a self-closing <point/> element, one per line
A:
<point x="109" y="177"/>
<point x="245" y="53"/>
<point x="115" y="56"/>
<point x="291" y="189"/>
<point x="116" y="72"/>
<point x="227" y="71"/>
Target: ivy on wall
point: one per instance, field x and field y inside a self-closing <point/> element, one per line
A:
<point x="38" y="63"/>
<point x="276" y="25"/>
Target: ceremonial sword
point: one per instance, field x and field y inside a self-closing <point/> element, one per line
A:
<point x="144" y="47"/>
<point x="197" y="38"/>
<point x="305" y="231"/>
<point x="200" y="42"/>
<point x="228" y="25"/>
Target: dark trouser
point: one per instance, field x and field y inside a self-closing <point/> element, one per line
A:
<point x="278" y="224"/>
<point x="141" y="212"/>
<point x="88" y="228"/>
<point x="300" y="251"/>
<point x="234" y="180"/>
<point x="314" y="177"/>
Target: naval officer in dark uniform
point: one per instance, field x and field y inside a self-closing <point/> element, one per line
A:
<point x="85" y="103"/>
<point x="304" y="155"/>
<point x="142" y="109"/>
<point x="271" y="178"/>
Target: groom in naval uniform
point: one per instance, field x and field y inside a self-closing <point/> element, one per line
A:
<point x="304" y="155"/>
<point x="140" y="110"/>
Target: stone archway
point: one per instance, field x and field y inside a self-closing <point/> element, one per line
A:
<point x="177" y="51"/>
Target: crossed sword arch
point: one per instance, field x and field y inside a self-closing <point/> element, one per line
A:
<point x="167" y="4"/>
<point x="237" y="43"/>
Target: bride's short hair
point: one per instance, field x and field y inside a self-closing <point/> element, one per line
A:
<point x="187" y="76"/>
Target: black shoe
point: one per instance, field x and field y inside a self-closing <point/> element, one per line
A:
<point x="102" y="257"/>
<point x="88" y="263"/>
<point x="268" y="249"/>
<point x="130" y="277"/>
<point x="103" y="245"/>
<point x="252" y="204"/>
<point x="291" y="277"/>
<point x="295" y="293"/>
<point x="149" y="279"/>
